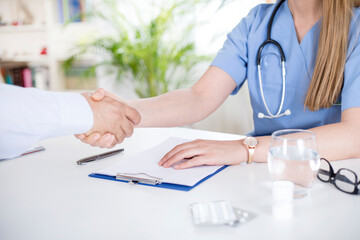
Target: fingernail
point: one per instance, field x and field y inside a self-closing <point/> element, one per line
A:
<point x="96" y="96"/>
<point x="81" y="136"/>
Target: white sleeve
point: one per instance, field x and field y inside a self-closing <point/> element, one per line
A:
<point x="28" y="115"/>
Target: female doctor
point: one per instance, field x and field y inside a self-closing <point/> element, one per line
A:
<point x="301" y="60"/>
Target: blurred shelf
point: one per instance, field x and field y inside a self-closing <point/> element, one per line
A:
<point x="20" y="45"/>
<point x="23" y="28"/>
<point x="27" y="59"/>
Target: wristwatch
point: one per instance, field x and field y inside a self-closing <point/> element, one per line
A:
<point x="250" y="144"/>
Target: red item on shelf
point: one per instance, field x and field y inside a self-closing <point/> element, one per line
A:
<point x="43" y="51"/>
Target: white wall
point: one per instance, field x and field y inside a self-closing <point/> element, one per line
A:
<point x="233" y="116"/>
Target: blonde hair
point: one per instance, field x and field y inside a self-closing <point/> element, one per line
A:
<point x="328" y="77"/>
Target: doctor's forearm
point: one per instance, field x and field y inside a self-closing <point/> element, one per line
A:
<point x="176" y="108"/>
<point x="186" y="106"/>
<point x="338" y="141"/>
<point x="335" y="142"/>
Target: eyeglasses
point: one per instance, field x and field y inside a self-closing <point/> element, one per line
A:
<point x="344" y="179"/>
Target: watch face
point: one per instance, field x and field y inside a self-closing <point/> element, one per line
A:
<point x="250" y="141"/>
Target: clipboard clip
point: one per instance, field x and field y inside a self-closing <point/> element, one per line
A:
<point x="135" y="178"/>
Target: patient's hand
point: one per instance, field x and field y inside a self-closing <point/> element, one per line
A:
<point x="114" y="120"/>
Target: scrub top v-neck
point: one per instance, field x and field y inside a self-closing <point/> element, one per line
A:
<point x="238" y="59"/>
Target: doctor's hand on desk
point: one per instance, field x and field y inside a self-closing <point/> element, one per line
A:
<point x="204" y="152"/>
<point x="113" y="121"/>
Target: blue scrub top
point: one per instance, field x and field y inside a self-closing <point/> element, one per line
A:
<point x="238" y="59"/>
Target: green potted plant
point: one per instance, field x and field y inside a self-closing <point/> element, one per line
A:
<point x="146" y="52"/>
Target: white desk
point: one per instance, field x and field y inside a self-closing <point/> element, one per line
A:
<point x="47" y="196"/>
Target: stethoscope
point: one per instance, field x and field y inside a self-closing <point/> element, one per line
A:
<point x="282" y="57"/>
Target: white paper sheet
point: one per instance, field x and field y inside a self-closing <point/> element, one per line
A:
<point x="147" y="162"/>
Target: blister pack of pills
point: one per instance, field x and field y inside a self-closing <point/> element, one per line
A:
<point x="218" y="213"/>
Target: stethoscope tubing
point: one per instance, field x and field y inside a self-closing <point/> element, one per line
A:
<point x="283" y="70"/>
<point x="282" y="94"/>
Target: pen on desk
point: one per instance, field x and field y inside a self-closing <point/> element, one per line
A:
<point x="98" y="156"/>
<point x="34" y="150"/>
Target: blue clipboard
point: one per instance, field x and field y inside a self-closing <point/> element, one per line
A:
<point x="161" y="185"/>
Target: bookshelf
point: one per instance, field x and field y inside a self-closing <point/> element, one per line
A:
<point x="24" y="28"/>
<point x="33" y="36"/>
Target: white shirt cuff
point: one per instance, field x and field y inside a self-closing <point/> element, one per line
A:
<point x="75" y="112"/>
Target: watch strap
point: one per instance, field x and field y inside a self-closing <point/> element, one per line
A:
<point x="251" y="152"/>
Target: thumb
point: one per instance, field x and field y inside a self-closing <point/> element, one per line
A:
<point x="98" y="95"/>
<point x="80" y="136"/>
<point x="133" y="115"/>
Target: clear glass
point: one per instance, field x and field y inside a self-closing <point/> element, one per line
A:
<point x="293" y="156"/>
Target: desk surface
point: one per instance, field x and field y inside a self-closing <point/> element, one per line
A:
<point x="47" y="196"/>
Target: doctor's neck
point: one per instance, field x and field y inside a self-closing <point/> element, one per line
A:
<point x="307" y="10"/>
<point x="305" y="14"/>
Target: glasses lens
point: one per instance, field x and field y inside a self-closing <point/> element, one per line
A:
<point x="345" y="180"/>
<point x="324" y="171"/>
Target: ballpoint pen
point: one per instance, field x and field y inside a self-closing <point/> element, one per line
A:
<point x="34" y="150"/>
<point x="98" y="156"/>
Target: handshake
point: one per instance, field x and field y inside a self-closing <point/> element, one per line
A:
<point x="114" y="120"/>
